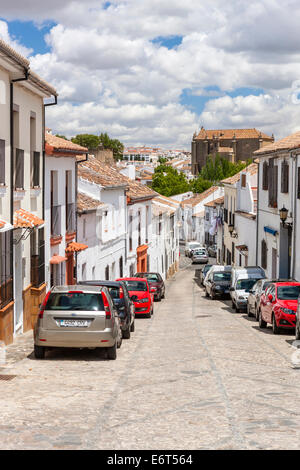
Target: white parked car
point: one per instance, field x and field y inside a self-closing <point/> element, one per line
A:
<point x="215" y="267"/>
<point x="242" y="281"/>
<point x="190" y="247"/>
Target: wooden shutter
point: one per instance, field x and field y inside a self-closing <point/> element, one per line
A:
<point x="2" y="161"/>
<point x="19" y="169"/>
<point x="36" y="169"/>
<point x="264" y="254"/>
<point x="265" y="176"/>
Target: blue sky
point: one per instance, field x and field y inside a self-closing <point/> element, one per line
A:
<point x="153" y="71"/>
<point x="30" y="34"/>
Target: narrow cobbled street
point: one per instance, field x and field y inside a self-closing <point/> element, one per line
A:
<point x="195" y="376"/>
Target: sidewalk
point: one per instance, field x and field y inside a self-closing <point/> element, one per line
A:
<point x="19" y="349"/>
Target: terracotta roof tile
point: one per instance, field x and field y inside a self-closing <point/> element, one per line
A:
<point x="10" y="52"/>
<point x="62" y="144"/>
<point x="100" y="173"/>
<point x="252" y="169"/>
<point x="24" y="219"/>
<point x="230" y="133"/>
<point x="214" y="203"/>
<point x="75" y="247"/>
<point x="87" y="203"/>
<point x="290" y="142"/>
<point x="138" y="190"/>
<point x="197" y="198"/>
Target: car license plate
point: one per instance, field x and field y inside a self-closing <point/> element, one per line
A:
<point x="75" y="323"/>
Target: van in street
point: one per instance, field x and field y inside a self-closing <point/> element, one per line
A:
<point x="242" y="281"/>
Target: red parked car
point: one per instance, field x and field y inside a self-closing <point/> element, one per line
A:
<point x="278" y="306"/>
<point x="141" y="294"/>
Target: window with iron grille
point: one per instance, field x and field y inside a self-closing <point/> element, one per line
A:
<point x="35" y="183"/>
<point x="19" y="169"/>
<point x="273" y="184"/>
<point x="243" y="181"/>
<point x="264" y="251"/>
<point x="226" y="215"/>
<point x="107" y="273"/>
<point x="6" y="273"/>
<point x="37" y="250"/>
<point x="285" y="177"/>
<point x="2" y="162"/>
<point x="265" y="180"/>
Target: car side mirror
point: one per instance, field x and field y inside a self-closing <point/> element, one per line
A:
<point x="270" y="297"/>
<point x="153" y="289"/>
<point x="134" y="298"/>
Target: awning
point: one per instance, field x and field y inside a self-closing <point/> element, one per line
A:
<point x="271" y="231"/>
<point x="56" y="259"/>
<point x="24" y="219"/>
<point x="75" y="247"/>
<point x="242" y="247"/>
<point x="5" y="226"/>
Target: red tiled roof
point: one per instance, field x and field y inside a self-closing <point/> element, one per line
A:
<point x="290" y="142"/>
<point x="54" y="143"/>
<point x="56" y="259"/>
<point x="87" y="203"/>
<point x="231" y="133"/>
<point x="75" y="247"/>
<point x="24" y="219"/>
<point x="220" y="200"/>
<point x="194" y="200"/>
<point x="252" y="169"/>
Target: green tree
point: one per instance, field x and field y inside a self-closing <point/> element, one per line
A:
<point x="113" y="144"/>
<point x="90" y="141"/>
<point x="168" y="181"/>
<point x="61" y="136"/>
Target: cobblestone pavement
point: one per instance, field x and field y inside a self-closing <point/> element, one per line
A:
<point x="195" y="376"/>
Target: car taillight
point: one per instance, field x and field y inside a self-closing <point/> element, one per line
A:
<point x="106" y="306"/>
<point x="121" y="293"/>
<point x="43" y="306"/>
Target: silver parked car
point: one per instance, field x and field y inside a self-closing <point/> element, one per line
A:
<point x="77" y="317"/>
<point x="200" y="256"/>
<point x="255" y="295"/>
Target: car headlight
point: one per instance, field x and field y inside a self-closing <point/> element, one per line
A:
<point x="288" y="311"/>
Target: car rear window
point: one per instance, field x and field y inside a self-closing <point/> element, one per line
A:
<point x="136" y="286"/>
<point x="75" y="301"/>
<point x="150" y="277"/>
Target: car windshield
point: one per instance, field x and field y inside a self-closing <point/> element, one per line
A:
<point x="207" y="268"/>
<point x="245" y="284"/>
<point x="75" y="301"/>
<point x="150" y="277"/>
<point x="199" y="252"/>
<point x="288" y="292"/>
<point x="195" y="245"/>
<point x="136" y="286"/>
<point x="223" y="276"/>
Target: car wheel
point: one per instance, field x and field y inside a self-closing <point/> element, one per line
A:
<point x="126" y="333"/>
<point x="256" y="313"/>
<point x="112" y="352"/>
<point x="39" y="352"/>
<point x="249" y="313"/>
<point x="132" y="328"/>
<point x="232" y="305"/>
<point x="164" y="295"/>
<point x="261" y="321"/>
<point x="119" y="344"/>
<point x="275" y="328"/>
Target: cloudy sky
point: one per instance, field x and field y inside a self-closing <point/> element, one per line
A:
<point x="154" y="71"/>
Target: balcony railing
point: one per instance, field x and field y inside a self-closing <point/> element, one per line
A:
<point x="37" y="271"/>
<point x="19" y="169"/>
<point x="56" y="221"/>
<point x="70" y="218"/>
<point x="35" y="169"/>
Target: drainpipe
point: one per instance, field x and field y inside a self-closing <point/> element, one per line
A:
<point x="257" y="212"/>
<point x="295" y="213"/>
<point x="12" y="169"/>
<point x="44" y="151"/>
<point x="76" y="195"/>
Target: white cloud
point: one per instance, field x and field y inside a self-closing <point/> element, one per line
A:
<point x="111" y="76"/>
<point x="5" y="36"/>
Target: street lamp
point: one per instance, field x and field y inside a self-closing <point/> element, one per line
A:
<point x="283" y="213"/>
